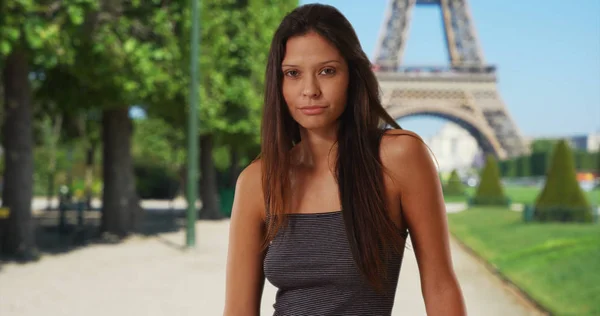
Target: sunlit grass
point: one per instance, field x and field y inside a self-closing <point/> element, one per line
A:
<point x="556" y="264"/>
<point x="522" y="195"/>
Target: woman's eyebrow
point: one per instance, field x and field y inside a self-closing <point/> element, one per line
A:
<point x="321" y="63"/>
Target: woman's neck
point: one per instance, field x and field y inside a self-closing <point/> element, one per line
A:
<point x="317" y="149"/>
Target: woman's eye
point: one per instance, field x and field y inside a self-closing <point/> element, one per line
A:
<point x="328" y="71"/>
<point x="291" y="73"/>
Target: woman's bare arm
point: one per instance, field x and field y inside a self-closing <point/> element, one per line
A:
<point x="245" y="278"/>
<point x="418" y="187"/>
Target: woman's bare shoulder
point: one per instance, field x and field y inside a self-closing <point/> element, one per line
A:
<point x="251" y="174"/>
<point x="405" y="154"/>
<point x="248" y="189"/>
<point x="397" y="143"/>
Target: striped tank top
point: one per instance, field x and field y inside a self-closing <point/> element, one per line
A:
<point x="311" y="264"/>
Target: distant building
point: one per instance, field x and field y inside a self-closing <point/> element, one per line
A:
<point x="453" y="148"/>
<point x="590" y="142"/>
<point x="587" y="142"/>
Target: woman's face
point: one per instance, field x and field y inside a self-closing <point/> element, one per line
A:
<point x="315" y="81"/>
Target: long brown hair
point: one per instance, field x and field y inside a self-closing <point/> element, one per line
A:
<point x="362" y="124"/>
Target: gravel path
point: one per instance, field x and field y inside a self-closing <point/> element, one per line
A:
<point x="153" y="276"/>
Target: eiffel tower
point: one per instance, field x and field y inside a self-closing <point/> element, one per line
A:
<point x="465" y="92"/>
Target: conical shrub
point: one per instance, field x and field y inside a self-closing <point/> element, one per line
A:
<point x="490" y="190"/>
<point x="562" y="199"/>
<point x="454" y="186"/>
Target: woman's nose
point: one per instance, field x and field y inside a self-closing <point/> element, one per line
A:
<point x="311" y="88"/>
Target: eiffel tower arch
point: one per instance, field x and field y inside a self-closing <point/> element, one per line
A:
<point x="464" y="92"/>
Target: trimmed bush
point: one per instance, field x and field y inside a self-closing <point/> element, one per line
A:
<point x="490" y="190"/>
<point x="562" y="199"/>
<point x="454" y="186"/>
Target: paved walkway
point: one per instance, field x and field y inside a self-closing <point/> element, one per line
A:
<point x="153" y="276"/>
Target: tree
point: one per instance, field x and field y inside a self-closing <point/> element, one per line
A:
<point x="490" y="190"/>
<point x="63" y="101"/>
<point x="33" y="37"/>
<point x="562" y="199"/>
<point x="103" y="57"/>
<point x="237" y="90"/>
<point x="244" y="112"/>
<point x="539" y="163"/>
<point x="454" y="186"/>
<point x="524" y="166"/>
<point x="126" y="57"/>
<point x="234" y="46"/>
<point x="542" y="145"/>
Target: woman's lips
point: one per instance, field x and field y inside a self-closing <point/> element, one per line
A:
<point x="313" y="109"/>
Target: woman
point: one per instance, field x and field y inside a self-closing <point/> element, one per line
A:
<point x="324" y="213"/>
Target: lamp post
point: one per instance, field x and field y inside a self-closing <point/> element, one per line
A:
<point x="192" y="182"/>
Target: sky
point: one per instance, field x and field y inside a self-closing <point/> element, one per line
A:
<point x="547" y="55"/>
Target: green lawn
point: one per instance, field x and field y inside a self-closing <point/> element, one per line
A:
<point x="558" y="265"/>
<point x="524" y="195"/>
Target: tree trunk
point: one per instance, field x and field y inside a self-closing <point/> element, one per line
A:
<point x="16" y="231"/>
<point x="209" y="193"/>
<point x="121" y="212"/>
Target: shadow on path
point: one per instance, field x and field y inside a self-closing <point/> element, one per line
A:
<point x="50" y="240"/>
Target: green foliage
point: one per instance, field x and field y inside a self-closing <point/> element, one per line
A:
<point x="129" y="58"/>
<point x="587" y="161"/>
<point x="155" y="182"/>
<point x="562" y="199"/>
<point x="70" y="159"/>
<point x="237" y="36"/>
<point x="234" y="45"/>
<point x="524" y="166"/>
<point x="87" y="56"/>
<point x="542" y="145"/>
<point x="521" y="166"/>
<point x="512" y="168"/>
<point x="156" y="142"/>
<point x="222" y="158"/>
<point x="454" y="185"/>
<point x="43" y="28"/>
<point x="158" y="153"/>
<point x="490" y="190"/>
<point x="537" y="163"/>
